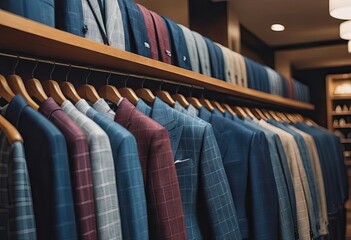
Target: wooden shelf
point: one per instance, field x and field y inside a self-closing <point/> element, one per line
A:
<point x="32" y="38"/>
<point x="341" y="97"/>
<point x="341" y="113"/>
<point x="345" y="126"/>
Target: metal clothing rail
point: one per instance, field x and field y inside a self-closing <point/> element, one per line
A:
<point x="110" y="72"/>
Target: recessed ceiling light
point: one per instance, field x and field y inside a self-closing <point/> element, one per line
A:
<point x="277" y="27"/>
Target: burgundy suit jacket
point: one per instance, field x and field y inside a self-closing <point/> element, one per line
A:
<point x="165" y="211"/>
<point x="82" y="184"/>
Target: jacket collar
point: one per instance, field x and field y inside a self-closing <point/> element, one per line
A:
<point x="124" y="113"/>
<point x="168" y="118"/>
<point x="15" y="109"/>
<point x="97" y="11"/>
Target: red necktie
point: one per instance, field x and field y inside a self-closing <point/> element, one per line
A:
<point x="162" y="37"/>
<point x="150" y="31"/>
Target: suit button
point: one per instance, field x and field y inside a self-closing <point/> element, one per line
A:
<point x="85" y="29"/>
<point x="146" y="45"/>
<point x="169" y="54"/>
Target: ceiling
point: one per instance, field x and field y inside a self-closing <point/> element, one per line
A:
<point x="305" y="21"/>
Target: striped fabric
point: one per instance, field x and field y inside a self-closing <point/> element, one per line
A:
<point x="104" y="181"/>
<point x="17" y="220"/>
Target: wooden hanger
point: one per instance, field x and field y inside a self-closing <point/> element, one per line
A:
<point x="248" y="111"/>
<point x="166" y="97"/>
<point x="5" y="90"/>
<point x="181" y="99"/>
<point x="240" y="112"/>
<point x="10" y="131"/>
<point x="110" y="93"/>
<point x="129" y="94"/>
<point x="283" y="117"/>
<point x="266" y="113"/>
<point x="53" y="90"/>
<point x="260" y="114"/>
<point x="88" y="92"/>
<point x="35" y="89"/>
<point x="228" y="108"/>
<point x="145" y="94"/>
<point x="17" y="86"/>
<point x="218" y="106"/>
<point x="207" y="104"/>
<point x="194" y="101"/>
<point x="70" y="92"/>
<point x="275" y="116"/>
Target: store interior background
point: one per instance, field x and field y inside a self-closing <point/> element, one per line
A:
<point x="309" y="49"/>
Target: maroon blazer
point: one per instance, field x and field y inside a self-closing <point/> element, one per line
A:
<point x="164" y="46"/>
<point x="150" y="31"/>
<point x="82" y="184"/>
<point x="165" y="211"/>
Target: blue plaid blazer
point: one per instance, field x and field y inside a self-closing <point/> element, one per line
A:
<point x="250" y="176"/>
<point x="207" y="202"/>
<point x="129" y="178"/>
<point x="45" y="146"/>
<point x="17" y="220"/>
<point x="42" y="11"/>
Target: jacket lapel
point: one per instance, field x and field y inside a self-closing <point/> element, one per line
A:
<point x="222" y="134"/>
<point x="97" y="11"/>
<point x="162" y="114"/>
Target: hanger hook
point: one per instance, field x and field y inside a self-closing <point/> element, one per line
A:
<point x="125" y="82"/>
<point x="160" y="87"/>
<point x="35" y="67"/>
<point x="53" y="69"/>
<point x="69" y="70"/>
<point x="108" y="77"/>
<point x="16" y="64"/>
<point x="177" y="89"/>
<point x="87" y="77"/>
<point x="142" y="83"/>
<point x="191" y="90"/>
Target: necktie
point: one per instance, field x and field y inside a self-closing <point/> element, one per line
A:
<point x="164" y="46"/>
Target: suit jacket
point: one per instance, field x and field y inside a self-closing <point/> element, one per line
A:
<point x="291" y="152"/>
<point x="17" y="220"/>
<point x="42" y="11"/>
<point x="229" y="74"/>
<point x="205" y="66"/>
<point x="274" y="83"/>
<point x="191" y="45"/>
<point x="257" y="76"/>
<point x="180" y="54"/>
<point x="134" y="24"/>
<point x="45" y="146"/>
<point x="80" y="168"/>
<point x="286" y="219"/>
<point x="208" y="205"/>
<point x="163" y="42"/>
<point x="166" y="217"/>
<point x="216" y="58"/>
<point x="90" y="19"/>
<point x="130" y="185"/>
<point x="242" y="76"/>
<point x="151" y="31"/>
<point x="250" y="176"/>
<point x="317" y="170"/>
<point x="103" y="169"/>
<point x="312" y="202"/>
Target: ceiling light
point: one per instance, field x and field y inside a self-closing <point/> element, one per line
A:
<point x="350" y="46"/>
<point x="277" y="27"/>
<point x="345" y="30"/>
<point x="340" y="9"/>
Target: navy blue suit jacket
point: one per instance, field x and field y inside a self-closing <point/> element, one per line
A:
<point x="42" y="11"/>
<point x="180" y="54"/>
<point x="47" y="160"/>
<point x="216" y="59"/>
<point x="249" y="170"/>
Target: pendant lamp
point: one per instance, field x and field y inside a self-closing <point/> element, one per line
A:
<point x="340" y="9"/>
<point x="345" y="30"/>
